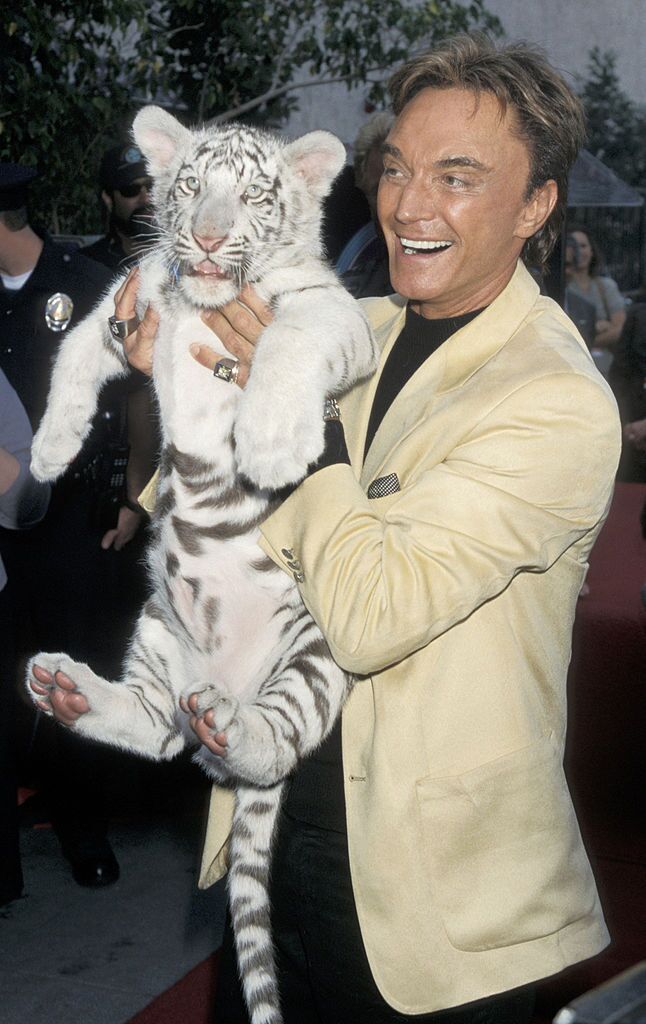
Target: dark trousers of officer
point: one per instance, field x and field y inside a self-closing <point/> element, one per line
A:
<point x="70" y="596"/>
<point x="11" y="881"/>
<point x="323" y="971"/>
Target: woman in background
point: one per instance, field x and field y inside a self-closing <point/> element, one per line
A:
<point x="586" y="280"/>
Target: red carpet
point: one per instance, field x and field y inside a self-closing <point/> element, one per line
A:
<point x="606" y="762"/>
<point x="606" y="753"/>
<point x="188" y="1001"/>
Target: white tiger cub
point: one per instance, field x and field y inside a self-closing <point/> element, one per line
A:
<point x="234" y="205"/>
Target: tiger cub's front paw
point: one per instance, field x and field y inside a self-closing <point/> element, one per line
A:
<point x="275" y="447"/>
<point x="52" y="451"/>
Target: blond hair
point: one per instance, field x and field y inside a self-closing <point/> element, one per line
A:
<point x="549" y="118"/>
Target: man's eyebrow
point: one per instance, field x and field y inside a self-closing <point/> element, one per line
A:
<point x="461" y="161"/>
<point x="447" y="163"/>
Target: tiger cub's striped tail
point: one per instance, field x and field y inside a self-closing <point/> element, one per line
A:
<point x="254" y="820"/>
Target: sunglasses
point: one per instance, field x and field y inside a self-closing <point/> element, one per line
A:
<point x="130" y="191"/>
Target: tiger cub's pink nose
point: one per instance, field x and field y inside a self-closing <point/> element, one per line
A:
<point x="209" y="243"/>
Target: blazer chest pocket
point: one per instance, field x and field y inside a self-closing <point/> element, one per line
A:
<point x="383" y="486"/>
<point x="505" y="860"/>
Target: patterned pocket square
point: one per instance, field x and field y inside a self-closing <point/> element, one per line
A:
<point x="384" y="485"/>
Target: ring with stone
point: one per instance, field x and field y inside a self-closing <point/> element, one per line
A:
<point x="227" y="370"/>
<point x="120" y="329"/>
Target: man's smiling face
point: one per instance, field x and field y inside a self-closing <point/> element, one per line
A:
<point x="452" y="201"/>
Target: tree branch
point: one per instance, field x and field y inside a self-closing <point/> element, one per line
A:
<point x="275" y="93"/>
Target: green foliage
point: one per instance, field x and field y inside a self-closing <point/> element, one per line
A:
<point x="65" y="93"/>
<point x="73" y="72"/>
<point x="251" y="57"/>
<point x="616" y="125"/>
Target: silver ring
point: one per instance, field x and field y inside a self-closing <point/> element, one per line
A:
<point x="331" y="409"/>
<point x="227" y="370"/>
<point x="120" y="329"/>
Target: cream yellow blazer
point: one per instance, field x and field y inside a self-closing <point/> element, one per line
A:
<point x="452" y="599"/>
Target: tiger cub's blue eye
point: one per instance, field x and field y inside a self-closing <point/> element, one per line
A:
<point x="253" y="192"/>
<point x="189" y="186"/>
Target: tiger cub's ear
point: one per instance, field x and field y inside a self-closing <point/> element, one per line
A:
<point x="159" y="135"/>
<point x="317" y="157"/>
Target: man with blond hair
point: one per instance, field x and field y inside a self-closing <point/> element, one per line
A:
<point x="429" y="865"/>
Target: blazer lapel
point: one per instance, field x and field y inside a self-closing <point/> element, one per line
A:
<point x="447" y="368"/>
<point x="387" y="318"/>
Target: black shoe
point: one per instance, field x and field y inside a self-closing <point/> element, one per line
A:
<point x="96" y="872"/>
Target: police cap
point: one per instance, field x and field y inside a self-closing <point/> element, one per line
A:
<point x="121" y="165"/>
<point x="14" y="182"/>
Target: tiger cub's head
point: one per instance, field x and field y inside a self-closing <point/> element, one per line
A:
<point x="232" y="202"/>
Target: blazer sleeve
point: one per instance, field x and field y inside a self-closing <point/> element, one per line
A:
<point x="383" y="578"/>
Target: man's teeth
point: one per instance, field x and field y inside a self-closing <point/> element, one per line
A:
<point x="411" y="246"/>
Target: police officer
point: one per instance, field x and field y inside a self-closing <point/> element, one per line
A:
<point x="125" y="193"/>
<point x="46" y="289"/>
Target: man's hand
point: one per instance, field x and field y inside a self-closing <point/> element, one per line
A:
<point x="139" y="345"/>
<point x="128" y="523"/>
<point x="202" y="726"/>
<point x="238" y="325"/>
<point x="63" y="700"/>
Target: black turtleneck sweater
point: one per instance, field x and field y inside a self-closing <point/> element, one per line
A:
<point x="315" y="791"/>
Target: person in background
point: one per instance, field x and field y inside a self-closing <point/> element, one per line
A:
<point x="363" y="263"/>
<point x="45" y="290"/>
<point x="581" y="311"/>
<point x="23" y="502"/>
<point x="125" y="191"/>
<point x="587" y="281"/>
<point x="345" y="210"/>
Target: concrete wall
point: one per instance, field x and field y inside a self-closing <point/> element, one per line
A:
<point x="566" y="29"/>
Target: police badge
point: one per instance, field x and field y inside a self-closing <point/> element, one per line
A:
<point x="58" y="311"/>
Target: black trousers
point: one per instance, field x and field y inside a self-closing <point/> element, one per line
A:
<point x="67" y="594"/>
<point x="324" y="976"/>
<point x="11" y="880"/>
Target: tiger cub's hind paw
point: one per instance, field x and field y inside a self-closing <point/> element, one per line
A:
<point x="223" y="706"/>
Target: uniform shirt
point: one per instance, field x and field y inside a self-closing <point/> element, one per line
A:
<point x="29" y="339"/>
<point x="62" y="289"/>
<point x="28" y="336"/>
<point x="108" y="251"/>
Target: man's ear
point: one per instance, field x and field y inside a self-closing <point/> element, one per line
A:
<point x="107" y="200"/>
<point x="537" y="209"/>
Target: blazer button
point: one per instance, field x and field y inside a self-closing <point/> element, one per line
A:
<point x="299" y="577"/>
<point x="287" y="552"/>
